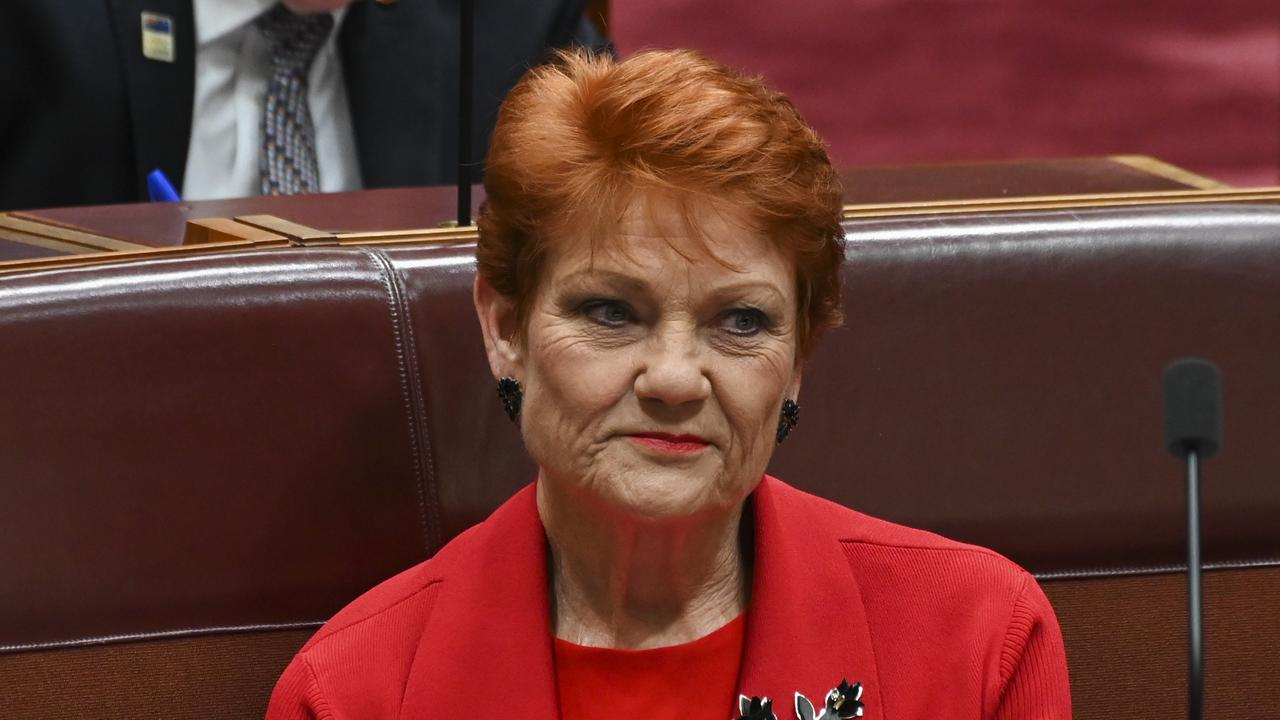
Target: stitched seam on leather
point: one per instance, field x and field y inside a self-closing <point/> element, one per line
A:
<point x="430" y="491"/>
<point x="1085" y="573"/>
<point x="1139" y="570"/>
<point x="394" y="304"/>
<point x="159" y="635"/>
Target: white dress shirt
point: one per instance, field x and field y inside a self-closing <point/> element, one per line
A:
<point x="233" y="66"/>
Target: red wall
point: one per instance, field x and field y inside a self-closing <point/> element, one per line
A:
<point x="1196" y="83"/>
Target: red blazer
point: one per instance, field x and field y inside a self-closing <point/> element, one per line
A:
<point x="930" y="627"/>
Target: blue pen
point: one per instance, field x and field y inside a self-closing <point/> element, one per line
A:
<point x="159" y="187"/>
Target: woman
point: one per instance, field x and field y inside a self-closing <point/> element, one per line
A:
<point x="659" y="251"/>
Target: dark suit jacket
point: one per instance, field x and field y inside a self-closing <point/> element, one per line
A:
<point x="84" y="116"/>
<point x="930" y="627"/>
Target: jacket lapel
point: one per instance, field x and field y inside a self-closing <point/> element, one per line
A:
<point x="806" y="625"/>
<point x="160" y="94"/>
<point x="488" y="641"/>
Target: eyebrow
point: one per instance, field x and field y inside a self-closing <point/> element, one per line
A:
<point x="634" y="284"/>
<point x="586" y="275"/>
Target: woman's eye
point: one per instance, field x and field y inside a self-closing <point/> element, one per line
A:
<point x="744" y="321"/>
<point x="608" y="312"/>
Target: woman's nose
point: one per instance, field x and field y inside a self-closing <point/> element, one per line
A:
<point x="672" y="371"/>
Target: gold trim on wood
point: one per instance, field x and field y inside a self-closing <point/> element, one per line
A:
<point x="210" y="230"/>
<point x="851" y="212"/>
<point x="65" y="234"/>
<point x="1160" y="168"/>
<point x="466" y="233"/>
<point x="105" y="258"/>
<point x="1053" y="202"/>
<point x="292" y="230"/>
<point x="68" y="249"/>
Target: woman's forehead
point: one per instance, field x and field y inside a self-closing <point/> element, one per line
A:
<point x="662" y="265"/>
<point x="658" y="233"/>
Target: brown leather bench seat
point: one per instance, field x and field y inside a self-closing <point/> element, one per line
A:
<point x="203" y="457"/>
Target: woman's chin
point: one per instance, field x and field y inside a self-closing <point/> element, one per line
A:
<point x="665" y="494"/>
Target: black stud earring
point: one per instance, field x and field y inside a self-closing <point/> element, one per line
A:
<point x="787" y="419"/>
<point x="512" y="396"/>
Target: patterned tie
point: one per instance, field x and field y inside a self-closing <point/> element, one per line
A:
<point x="287" y="163"/>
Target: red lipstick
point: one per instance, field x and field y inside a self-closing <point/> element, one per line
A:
<point x="668" y="443"/>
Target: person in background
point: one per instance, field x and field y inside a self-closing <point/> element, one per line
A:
<point x="231" y="98"/>
<point x="659" y="253"/>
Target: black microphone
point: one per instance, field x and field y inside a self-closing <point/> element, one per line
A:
<point x="1193" y="407"/>
<point x="1193" y="432"/>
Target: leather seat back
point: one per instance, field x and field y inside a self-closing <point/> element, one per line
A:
<point x="205" y="456"/>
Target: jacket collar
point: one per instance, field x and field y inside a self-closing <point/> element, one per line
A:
<point x="488" y="641"/>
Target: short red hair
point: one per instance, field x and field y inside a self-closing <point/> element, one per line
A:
<point x="578" y="138"/>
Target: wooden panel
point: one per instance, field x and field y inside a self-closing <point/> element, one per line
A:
<point x="223" y="230"/>
<point x="16" y="246"/>
<point x="1016" y="179"/>
<point x="13" y="224"/>
<point x="286" y="228"/>
<point x="164" y="224"/>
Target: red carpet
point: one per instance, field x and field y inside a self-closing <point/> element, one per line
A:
<point x="920" y="81"/>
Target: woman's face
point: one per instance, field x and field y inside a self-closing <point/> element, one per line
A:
<point x="654" y="367"/>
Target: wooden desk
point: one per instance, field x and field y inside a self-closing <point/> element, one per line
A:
<point x="62" y="232"/>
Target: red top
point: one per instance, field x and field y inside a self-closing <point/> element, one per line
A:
<point x="931" y="628"/>
<point x="693" y="680"/>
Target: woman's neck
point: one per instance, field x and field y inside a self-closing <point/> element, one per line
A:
<point x="623" y="583"/>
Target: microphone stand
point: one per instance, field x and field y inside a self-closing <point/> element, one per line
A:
<point x="1193" y="432"/>
<point x="1195" y="627"/>
<point x="466" y="60"/>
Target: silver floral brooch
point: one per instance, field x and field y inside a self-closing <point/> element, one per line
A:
<point x="843" y="702"/>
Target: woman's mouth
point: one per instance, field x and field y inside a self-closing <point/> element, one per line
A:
<point x="671" y="444"/>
